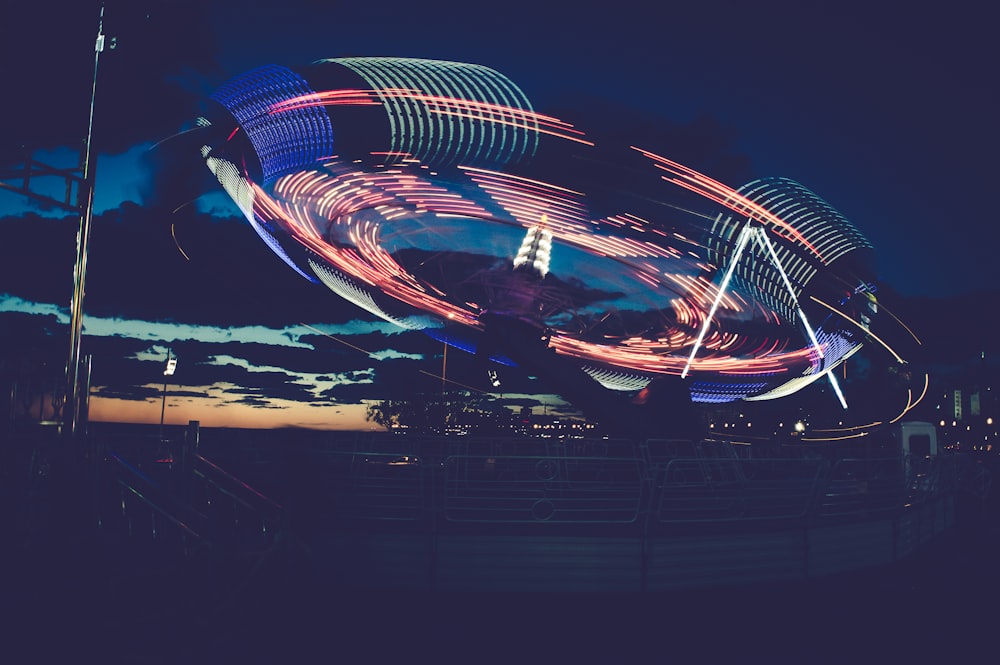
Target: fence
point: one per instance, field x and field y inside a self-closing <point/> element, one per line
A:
<point x="584" y="514"/>
<point x="658" y="482"/>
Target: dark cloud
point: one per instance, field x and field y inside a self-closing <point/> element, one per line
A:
<point x="127" y="393"/>
<point x="36" y="257"/>
<point x="197" y="367"/>
<point x="136" y="270"/>
<point x="257" y="403"/>
<point x="254" y="382"/>
<point x="173" y="392"/>
<point x="300" y="360"/>
<point x="270" y="386"/>
<point x="32" y="333"/>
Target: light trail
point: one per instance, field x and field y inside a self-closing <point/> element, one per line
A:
<point x="875" y="337"/>
<point x="455" y="207"/>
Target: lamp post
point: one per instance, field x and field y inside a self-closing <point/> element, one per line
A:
<point x="86" y="197"/>
<point x="167" y="372"/>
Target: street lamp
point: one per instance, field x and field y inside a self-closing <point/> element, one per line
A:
<point x="167" y="372"/>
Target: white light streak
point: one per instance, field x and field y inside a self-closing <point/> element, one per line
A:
<point x="741" y="244"/>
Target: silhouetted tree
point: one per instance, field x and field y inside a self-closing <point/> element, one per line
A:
<point x="425" y="412"/>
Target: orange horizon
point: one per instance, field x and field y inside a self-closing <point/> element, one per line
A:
<point x="209" y="413"/>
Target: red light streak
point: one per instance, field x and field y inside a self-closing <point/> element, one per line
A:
<point x="346" y="218"/>
<point x="723" y="195"/>
<point x="443" y="105"/>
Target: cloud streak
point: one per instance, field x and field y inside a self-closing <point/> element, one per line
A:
<point x="168" y="332"/>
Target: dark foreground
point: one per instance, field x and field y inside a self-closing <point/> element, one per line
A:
<point x="81" y="605"/>
<point x="71" y="593"/>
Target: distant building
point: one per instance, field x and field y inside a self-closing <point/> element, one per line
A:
<point x="966" y="407"/>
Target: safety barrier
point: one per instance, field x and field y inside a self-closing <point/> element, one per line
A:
<point x="496" y="513"/>
<point x="656" y="482"/>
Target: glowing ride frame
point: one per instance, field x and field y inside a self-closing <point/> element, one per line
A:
<point x="308" y="197"/>
<point x="759" y="235"/>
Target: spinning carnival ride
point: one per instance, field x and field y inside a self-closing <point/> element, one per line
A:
<point x="433" y="195"/>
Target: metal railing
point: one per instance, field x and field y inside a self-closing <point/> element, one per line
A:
<point x="145" y="510"/>
<point x="238" y="514"/>
<point x="527" y="488"/>
<point x="153" y="502"/>
<point x="864" y="487"/>
<point x="436" y="480"/>
<point x="431" y="483"/>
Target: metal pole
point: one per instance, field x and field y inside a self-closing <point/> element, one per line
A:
<point x="444" y="369"/>
<point x="84" y="407"/>
<point x="71" y="406"/>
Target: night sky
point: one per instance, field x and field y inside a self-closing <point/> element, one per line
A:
<point x="885" y="111"/>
